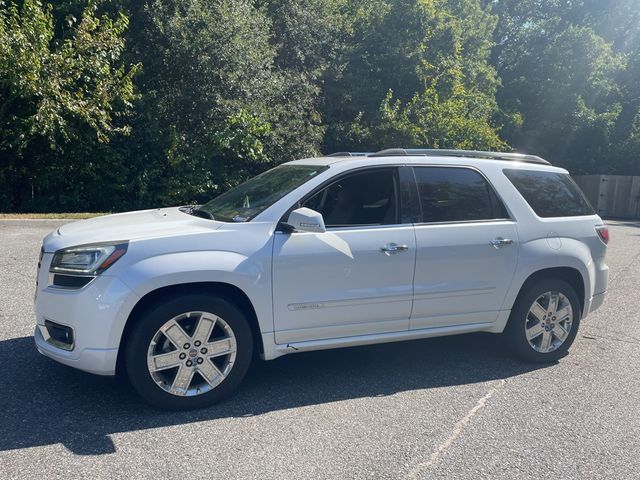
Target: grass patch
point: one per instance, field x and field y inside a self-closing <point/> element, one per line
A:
<point x="53" y="216"/>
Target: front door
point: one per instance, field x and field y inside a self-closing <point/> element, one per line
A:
<point x="357" y="277"/>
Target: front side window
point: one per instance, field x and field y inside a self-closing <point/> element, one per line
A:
<point x="242" y="203"/>
<point x="550" y="194"/>
<point x="364" y="198"/>
<point x="454" y="194"/>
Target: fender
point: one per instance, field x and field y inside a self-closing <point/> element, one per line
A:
<point x="166" y="270"/>
<point x="539" y="255"/>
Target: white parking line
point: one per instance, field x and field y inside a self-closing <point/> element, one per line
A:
<point x="455" y="433"/>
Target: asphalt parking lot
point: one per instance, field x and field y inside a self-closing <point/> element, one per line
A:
<point x="456" y="407"/>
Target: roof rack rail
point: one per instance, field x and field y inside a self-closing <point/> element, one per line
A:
<point x="349" y="154"/>
<point x="512" y="157"/>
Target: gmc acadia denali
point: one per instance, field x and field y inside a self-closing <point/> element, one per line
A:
<point x="344" y="250"/>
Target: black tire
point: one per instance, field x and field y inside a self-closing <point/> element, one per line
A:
<point x="146" y="326"/>
<point x="515" y="332"/>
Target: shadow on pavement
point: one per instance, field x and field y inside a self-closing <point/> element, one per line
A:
<point x="43" y="403"/>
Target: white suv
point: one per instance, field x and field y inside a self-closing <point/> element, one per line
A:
<point x="344" y="250"/>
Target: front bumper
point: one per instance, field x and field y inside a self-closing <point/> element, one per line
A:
<point x="92" y="360"/>
<point x="97" y="314"/>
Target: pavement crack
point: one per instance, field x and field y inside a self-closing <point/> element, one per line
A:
<point x="457" y="430"/>
<point x="631" y="340"/>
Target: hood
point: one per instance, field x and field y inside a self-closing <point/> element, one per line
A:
<point x="128" y="226"/>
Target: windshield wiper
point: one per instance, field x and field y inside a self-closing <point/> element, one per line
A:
<point x="196" y="211"/>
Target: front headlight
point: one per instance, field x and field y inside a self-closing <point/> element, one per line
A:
<point x="87" y="259"/>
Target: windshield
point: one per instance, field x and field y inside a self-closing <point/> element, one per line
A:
<point x="242" y="203"/>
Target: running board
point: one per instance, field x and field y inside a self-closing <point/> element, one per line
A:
<point x="359" y="340"/>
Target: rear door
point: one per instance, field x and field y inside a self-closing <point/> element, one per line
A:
<point x="467" y="248"/>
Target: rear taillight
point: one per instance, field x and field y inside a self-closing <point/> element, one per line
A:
<point x="603" y="233"/>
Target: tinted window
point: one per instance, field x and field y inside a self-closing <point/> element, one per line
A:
<point x="456" y="194"/>
<point x="363" y="198"/>
<point x="550" y="194"/>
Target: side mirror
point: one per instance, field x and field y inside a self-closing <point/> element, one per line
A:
<point x="306" y="220"/>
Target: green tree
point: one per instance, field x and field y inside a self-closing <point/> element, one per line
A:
<point x="309" y="36"/>
<point x="417" y="74"/>
<point x="216" y="108"/>
<point x="54" y="90"/>
<point x="622" y="26"/>
<point x="561" y="78"/>
<point x="231" y="87"/>
<point x="459" y="120"/>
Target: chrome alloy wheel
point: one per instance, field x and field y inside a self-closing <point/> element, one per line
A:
<point x="192" y="353"/>
<point x="548" y="322"/>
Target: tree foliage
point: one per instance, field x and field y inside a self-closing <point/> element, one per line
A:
<point x="208" y="82"/>
<point x="53" y="90"/>
<point x="562" y="66"/>
<point x="49" y="86"/>
<point x="119" y="104"/>
<point x="416" y="74"/>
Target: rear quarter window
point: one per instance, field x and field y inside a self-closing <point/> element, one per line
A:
<point x="550" y="194"/>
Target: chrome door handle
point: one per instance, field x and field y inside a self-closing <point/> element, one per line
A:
<point x="500" y="242"/>
<point x="390" y="248"/>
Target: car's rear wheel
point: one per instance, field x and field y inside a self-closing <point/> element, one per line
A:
<point x="188" y="352"/>
<point x="544" y="322"/>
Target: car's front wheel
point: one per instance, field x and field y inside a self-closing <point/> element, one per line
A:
<point x="544" y="322"/>
<point x="188" y="352"/>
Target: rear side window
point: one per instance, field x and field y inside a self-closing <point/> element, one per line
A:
<point x="550" y="194"/>
<point x="454" y="194"/>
